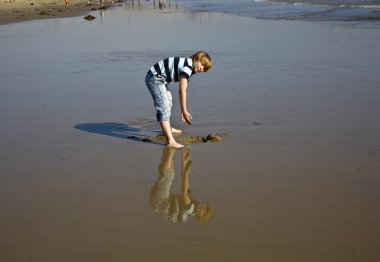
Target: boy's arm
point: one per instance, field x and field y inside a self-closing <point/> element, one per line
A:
<point x="186" y="168"/>
<point x="186" y="117"/>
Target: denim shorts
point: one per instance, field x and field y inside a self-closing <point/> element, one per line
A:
<point x="162" y="97"/>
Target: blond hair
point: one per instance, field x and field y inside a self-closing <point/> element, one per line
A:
<point x="204" y="58"/>
<point x="207" y="216"/>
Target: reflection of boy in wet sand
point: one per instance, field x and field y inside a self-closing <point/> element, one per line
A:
<point x="176" y="207"/>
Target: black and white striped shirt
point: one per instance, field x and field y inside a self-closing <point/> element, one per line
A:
<point x="172" y="68"/>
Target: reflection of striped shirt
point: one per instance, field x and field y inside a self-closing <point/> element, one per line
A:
<point x="171" y="69"/>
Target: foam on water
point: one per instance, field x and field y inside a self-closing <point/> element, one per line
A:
<point x="356" y="12"/>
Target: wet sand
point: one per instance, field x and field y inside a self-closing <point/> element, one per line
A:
<point x="24" y="10"/>
<point x="296" y="179"/>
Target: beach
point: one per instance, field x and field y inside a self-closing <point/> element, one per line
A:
<point x="294" y="176"/>
<point x="24" y="10"/>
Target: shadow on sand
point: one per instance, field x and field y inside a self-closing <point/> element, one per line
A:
<point x="116" y="130"/>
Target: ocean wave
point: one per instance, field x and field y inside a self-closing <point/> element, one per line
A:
<point x="365" y="13"/>
<point x="375" y="4"/>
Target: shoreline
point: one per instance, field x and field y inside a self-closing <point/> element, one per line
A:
<point x="26" y="10"/>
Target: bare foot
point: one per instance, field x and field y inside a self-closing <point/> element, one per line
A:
<point x="175" y="145"/>
<point x="176" y="131"/>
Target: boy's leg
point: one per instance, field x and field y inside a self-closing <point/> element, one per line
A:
<point x="175" y="131"/>
<point x="162" y="102"/>
<point x="166" y="128"/>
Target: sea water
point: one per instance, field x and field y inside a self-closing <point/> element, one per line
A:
<point x="353" y="12"/>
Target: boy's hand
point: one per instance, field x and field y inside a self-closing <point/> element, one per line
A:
<point x="186" y="117"/>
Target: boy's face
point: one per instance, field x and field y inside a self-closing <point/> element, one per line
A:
<point x="198" y="67"/>
<point x="200" y="209"/>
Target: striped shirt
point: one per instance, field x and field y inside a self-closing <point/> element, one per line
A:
<point x="172" y="68"/>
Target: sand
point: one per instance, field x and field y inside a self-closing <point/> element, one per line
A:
<point x="23" y="10"/>
<point x="295" y="179"/>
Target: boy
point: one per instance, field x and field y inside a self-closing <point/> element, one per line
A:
<point x="174" y="69"/>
